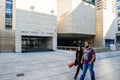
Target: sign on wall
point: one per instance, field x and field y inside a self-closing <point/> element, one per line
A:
<point x="112" y="47"/>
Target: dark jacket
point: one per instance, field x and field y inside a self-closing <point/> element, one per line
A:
<point x="78" y="57"/>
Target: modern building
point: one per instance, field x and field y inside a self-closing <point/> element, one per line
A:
<point x="7" y="27"/>
<point x="86" y="20"/>
<point x="76" y="22"/>
<point x="25" y="26"/>
<point x="105" y="23"/>
<point x="28" y="25"/>
<point x="118" y="21"/>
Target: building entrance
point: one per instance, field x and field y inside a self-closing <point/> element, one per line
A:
<point x="34" y="44"/>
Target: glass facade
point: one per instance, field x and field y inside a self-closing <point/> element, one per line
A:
<point x="8" y="15"/>
<point x="118" y="7"/>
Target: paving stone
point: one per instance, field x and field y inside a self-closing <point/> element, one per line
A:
<point x="53" y="66"/>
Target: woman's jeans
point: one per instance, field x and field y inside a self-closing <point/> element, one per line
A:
<point x="85" y="67"/>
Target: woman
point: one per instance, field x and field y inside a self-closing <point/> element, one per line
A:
<point x="79" y="53"/>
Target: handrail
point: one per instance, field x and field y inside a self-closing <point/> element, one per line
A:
<point x="97" y="49"/>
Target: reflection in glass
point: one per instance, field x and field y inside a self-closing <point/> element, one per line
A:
<point x="8" y="15"/>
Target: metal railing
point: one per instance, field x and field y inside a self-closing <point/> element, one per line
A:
<point x="97" y="49"/>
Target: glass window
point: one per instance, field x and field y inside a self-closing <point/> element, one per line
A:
<point x="118" y="28"/>
<point x="90" y="1"/>
<point x="118" y="14"/>
<point x="118" y="0"/>
<point x="8" y="15"/>
<point x="118" y="39"/>
<point x="8" y="21"/>
<point x="8" y="6"/>
<point x="9" y="11"/>
<point x="118" y="7"/>
<point x="108" y="42"/>
<point x="8" y="26"/>
<point x="9" y="0"/>
<point x="118" y="22"/>
<point x="93" y="1"/>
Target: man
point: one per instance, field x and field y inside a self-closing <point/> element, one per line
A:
<point x="88" y="59"/>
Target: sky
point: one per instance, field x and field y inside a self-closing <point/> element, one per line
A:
<point x="43" y="6"/>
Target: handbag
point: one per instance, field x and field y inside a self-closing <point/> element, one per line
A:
<point x="71" y="64"/>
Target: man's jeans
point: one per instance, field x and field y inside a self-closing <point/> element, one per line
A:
<point x="85" y="67"/>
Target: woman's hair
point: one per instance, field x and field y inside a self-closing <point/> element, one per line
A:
<point x="80" y="48"/>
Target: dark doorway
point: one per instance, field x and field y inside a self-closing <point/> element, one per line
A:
<point x="36" y="44"/>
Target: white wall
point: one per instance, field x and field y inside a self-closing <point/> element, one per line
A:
<point x="2" y="14"/>
<point x="35" y="24"/>
<point x="105" y="22"/>
<point x="64" y="20"/>
<point x="83" y="17"/>
<point x="42" y="6"/>
<point x="109" y="21"/>
<point x="79" y="17"/>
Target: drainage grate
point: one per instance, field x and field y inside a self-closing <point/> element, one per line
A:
<point x="20" y="74"/>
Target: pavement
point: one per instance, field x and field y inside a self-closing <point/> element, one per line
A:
<point x="53" y="66"/>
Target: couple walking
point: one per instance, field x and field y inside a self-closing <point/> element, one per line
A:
<point x="85" y="60"/>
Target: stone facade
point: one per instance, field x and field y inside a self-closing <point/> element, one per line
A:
<point x="7" y="36"/>
<point x="76" y="17"/>
<point x="7" y="41"/>
<point x="80" y="17"/>
<point x="28" y="20"/>
<point x="2" y="14"/>
<point x="76" y="22"/>
<point x="35" y="24"/>
<point x="105" y="22"/>
<point x="118" y="21"/>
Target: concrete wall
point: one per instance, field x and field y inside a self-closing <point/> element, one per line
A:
<point x="109" y="25"/>
<point x="31" y="23"/>
<point x="99" y="29"/>
<point x="7" y="41"/>
<point x="2" y="14"/>
<point x="34" y="18"/>
<point x="7" y="37"/>
<point x="117" y="19"/>
<point x="76" y="16"/>
<point x="41" y="6"/>
<point x="105" y="22"/>
<point x="83" y="17"/>
<point x="64" y="21"/>
<point x="14" y="15"/>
